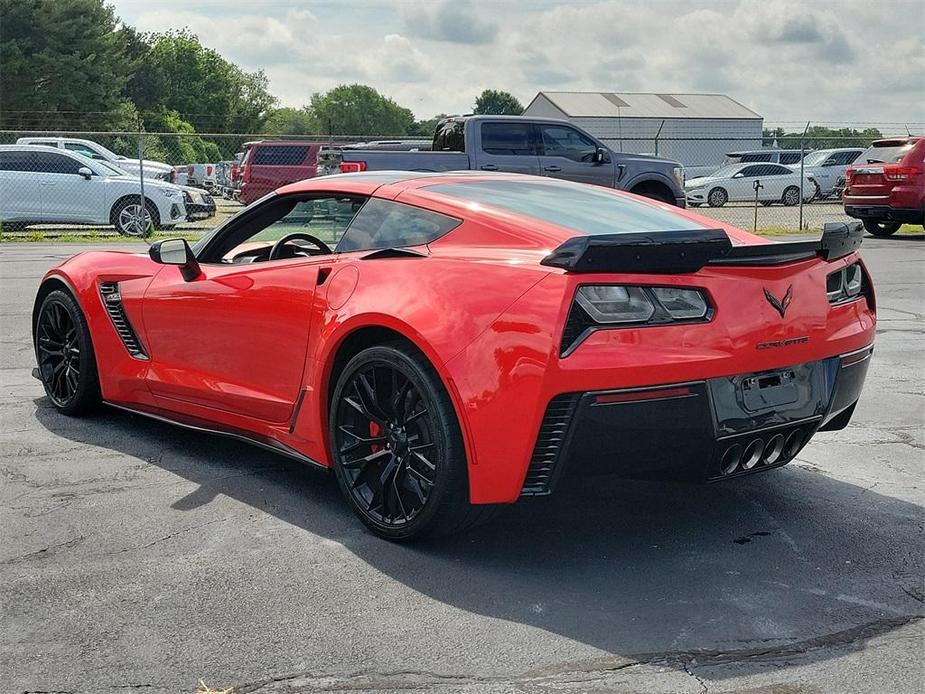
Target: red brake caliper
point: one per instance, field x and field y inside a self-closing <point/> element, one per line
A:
<point x="374" y="431"/>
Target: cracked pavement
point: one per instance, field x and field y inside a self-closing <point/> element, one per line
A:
<point x="138" y="556"/>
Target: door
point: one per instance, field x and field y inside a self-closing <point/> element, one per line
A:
<point x="568" y="153"/>
<point x="507" y="146"/>
<point x="777" y="179"/>
<point x="741" y="186"/>
<point x="20" y="187"/>
<point x="68" y="196"/>
<point x="235" y="339"/>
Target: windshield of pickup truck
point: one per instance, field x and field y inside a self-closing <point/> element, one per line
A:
<point x="579" y="207"/>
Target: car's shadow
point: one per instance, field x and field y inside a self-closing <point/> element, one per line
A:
<point x="783" y="563"/>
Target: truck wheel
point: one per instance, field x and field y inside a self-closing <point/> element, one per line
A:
<point x="718" y="197"/>
<point x="881" y="228"/>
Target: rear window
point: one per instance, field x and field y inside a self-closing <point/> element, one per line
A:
<point x="450" y="137"/>
<point x="582" y="208"/>
<point x="279" y="155"/>
<point x="884" y="154"/>
<point x="507" y="139"/>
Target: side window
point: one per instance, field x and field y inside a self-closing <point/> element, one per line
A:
<point x="279" y="155"/>
<point x="387" y="224"/>
<point x="81" y="149"/>
<point x="845" y="158"/>
<point x="790" y="158"/>
<point x="755" y="156"/>
<point x="775" y="170"/>
<point x="751" y="171"/>
<point x="506" y="139"/>
<point x="325" y="218"/>
<point x="48" y="162"/>
<point x="561" y="141"/>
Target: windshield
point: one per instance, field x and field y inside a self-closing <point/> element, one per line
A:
<point x="724" y="171"/>
<point x="574" y="206"/>
<point x="884" y="154"/>
<point x="816" y="158"/>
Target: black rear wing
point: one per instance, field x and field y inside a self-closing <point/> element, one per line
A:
<point x="688" y="250"/>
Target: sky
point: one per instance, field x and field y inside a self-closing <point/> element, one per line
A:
<point x="850" y="61"/>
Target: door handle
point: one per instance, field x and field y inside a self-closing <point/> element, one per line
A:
<point x="552" y="168"/>
<point x="489" y="167"/>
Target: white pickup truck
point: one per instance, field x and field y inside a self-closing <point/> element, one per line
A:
<point x="93" y="150"/>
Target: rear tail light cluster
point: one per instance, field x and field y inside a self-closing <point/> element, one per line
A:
<point x="900" y="174"/>
<point x="845" y="284"/>
<point x="613" y="306"/>
<point x="352" y="166"/>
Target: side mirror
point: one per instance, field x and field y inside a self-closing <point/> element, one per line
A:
<point x="599" y="156"/>
<point x="176" y="252"/>
<point x="85" y="172"/>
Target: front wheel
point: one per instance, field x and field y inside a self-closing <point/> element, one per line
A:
<point x="717" y="197"/>
<point x="396" y="445"/>
<point x="881" y="228"/>
<point x="791" y="196"/>
<point x="64" y="351"/>
<point x="131" y="219"/>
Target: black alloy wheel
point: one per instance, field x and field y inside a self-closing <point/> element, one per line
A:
<point x="66" y="363"/>
<point x="397" y="448"/>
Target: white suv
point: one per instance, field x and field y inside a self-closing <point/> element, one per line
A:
<point x="45" y="185"/>
<point x="93" y="150"/>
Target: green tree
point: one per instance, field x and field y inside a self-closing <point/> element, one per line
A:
<point x="63" y="64"/>
<point x="820" y="137"/>
<point x="497" y="103"/>
<point x="177" y="73"/>
<point x="290" y="121"/>
<point x="356" y="109"/>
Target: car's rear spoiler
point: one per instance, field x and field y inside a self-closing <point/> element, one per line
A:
<point x="688" y="250"/>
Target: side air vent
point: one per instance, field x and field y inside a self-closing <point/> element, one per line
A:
<point x="112" y="300"/>
<point x="549" y="443"/>
<point x="576" y="324"/>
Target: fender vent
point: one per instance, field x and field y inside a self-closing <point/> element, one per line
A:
<point x="549" y="444"/>
<point x="112" y="300"/>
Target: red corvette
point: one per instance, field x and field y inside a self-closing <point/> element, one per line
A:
<point x="448" y="343"/>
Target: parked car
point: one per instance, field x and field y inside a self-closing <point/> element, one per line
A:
<point x="199" y="204"/>
<point x="201" y="176"/>
<point x="826" y="166"/>
<point x="540" y="146"/>
<point x="180" y="176"/>
<point x="736" y="183"/>
<point x="767" y="155"/>
<point x="269" y="164"/>
<point x="885" y="187"/>
<point x="471" y="339"/>
<point x="43" y="185"/>
<point x="93" y="150"/>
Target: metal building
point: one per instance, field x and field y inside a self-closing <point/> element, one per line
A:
<point x="694" y="129"/>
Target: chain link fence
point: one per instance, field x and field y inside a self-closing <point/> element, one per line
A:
<point x="116" y="183"/>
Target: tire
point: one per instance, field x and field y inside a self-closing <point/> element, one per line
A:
<point x="387" y="398"/>
<point x="125" y="217"/>
<point x="652" y="194"/>
<point x="791" y="196"/>
<point x="717" y="197"/>
<point x="881" y="229"/>
<point x="62" y="340"/>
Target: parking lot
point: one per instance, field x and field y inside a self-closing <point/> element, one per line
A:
<point x="138" y="556"/>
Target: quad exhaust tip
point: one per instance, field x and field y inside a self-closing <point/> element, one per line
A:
<point x="777" y="448"/>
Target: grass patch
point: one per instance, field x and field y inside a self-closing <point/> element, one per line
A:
<point x="92" y="237"/>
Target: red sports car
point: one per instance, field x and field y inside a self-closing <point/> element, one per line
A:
<point x="447" y="343"/>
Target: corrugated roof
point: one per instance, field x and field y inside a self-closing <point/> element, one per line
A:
<point x="606" y="105"/>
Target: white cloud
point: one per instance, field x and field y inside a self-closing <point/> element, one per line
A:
<point x="845" y="61"/>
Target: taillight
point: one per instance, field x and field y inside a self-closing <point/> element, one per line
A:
<point x="352" y="166"/>
<point x="209" y="170"/>
<point x="900" y="174"/>
<point x="189" y="170"/>
<point x="246" y="173"/>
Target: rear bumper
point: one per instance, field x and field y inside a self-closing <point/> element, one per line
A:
<point x="885" y="213"/>
<point x="702" y="431"/>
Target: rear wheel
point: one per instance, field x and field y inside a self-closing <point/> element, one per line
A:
<point x="881" y="228"/>
<point x="717" y="197"/>
<point x="398" y="451"/>
<point x="791" y="196"/>
<point x="64" y="351"/>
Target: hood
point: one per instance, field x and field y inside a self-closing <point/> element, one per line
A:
<point x="148" y="164"/>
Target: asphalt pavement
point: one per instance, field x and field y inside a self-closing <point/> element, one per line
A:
<point x="136" y="556"/>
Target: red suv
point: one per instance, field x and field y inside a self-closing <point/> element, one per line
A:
<point x="885" y="187"/>
<point x="270" y="164"/>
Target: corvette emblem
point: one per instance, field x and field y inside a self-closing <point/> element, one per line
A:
<point x="780" y="305"/>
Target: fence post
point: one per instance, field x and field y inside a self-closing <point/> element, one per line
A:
<point x="657" y="133"/>
<point x="141" y="180"/>
<point x="802" y="155"/>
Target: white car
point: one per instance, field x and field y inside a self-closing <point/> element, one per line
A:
<point x="826" y="166"/>
<point x="736" y="183"/>
<point x="45" y="185"/>
<point x="93" y="150"/>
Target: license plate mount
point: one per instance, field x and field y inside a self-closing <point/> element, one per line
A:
<point x="768" y="390"/>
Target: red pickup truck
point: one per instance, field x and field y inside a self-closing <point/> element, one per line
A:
<point x="885" y="186"/>
<point x="269" y="164"/>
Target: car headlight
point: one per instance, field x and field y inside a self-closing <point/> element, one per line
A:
<point x="845" y="284"/>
